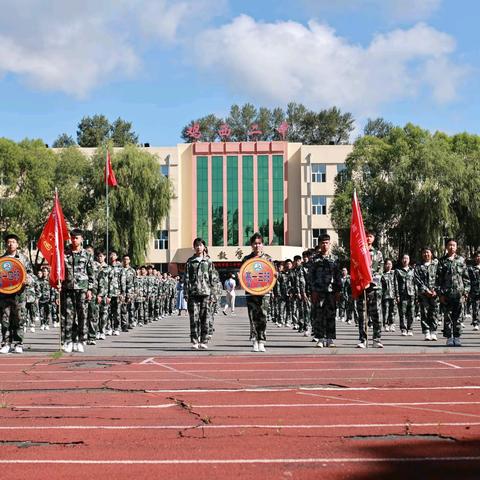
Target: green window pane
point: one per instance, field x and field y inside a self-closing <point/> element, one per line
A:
<point x="247" y="187"/>
<point x="278" y="201"/>
<point x="217" y="201"/>
<point x="262" y="175"/>
<point x="202" y="197"/>
<point x="232" y="200"/>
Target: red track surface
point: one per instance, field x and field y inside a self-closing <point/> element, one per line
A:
<point x="352" y="416"/>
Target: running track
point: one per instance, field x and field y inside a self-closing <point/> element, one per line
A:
<point x="362" y="416"/>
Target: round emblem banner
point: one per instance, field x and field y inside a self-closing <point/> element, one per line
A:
<point x="257" y="276"/>
<point x="12" y="275"/>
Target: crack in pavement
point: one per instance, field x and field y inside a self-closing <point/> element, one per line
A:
<point x="30" y="443"/>
<point x="187" y="407"/>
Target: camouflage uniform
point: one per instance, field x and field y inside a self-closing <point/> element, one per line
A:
<point x="300" y="297"/>
<point x="127" y="309"/>
<point x="326" y="283"/>
<point x="116" y="293"/>
<point x="257" y="306"/>
<point x="452" y="284"/>
<point x="388" y="299"/>
<point x="152" y="285"/>
<point x="32" y="293"/>
<point x="282" y="281"/>
<point x="306" y="266"/>
<point x="198" y="288"/>
<point x="102" y="293"/>
<point x="140" y="298"/>
<point x="215" y="295"/>
<point x="79" y="278"/>
<point x="405" y="294"/>
<point x="12" y="309"/>
<point x="92" y="307"/>
<point x="45" y="300"/>
<point x="425" y="279"/>
<point x="374" y="299"/>
<point x="474" y="296"/>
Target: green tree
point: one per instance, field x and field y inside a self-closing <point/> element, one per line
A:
<point x="240" y="120"/>
<point x="209" y="127"/>
<point x="64" y="141"/>
<point x="121" y="133"/>
<point x="377" y="127"/>
<point x="137" y="206"/>
<point x="93" y="131"/>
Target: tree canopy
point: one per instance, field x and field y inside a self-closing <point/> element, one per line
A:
<point x="415" y="189"/>
<point x="97" y="131"/>
<point x="326" y="127"/>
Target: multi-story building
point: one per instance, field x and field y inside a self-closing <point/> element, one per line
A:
<point x="226" y="191"/>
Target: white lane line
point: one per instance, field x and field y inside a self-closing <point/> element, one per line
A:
<point x="247" y="461"/>
<point x="450" y="364"/>
<point x="235" y="405"/>
<point x="245" y="426"/>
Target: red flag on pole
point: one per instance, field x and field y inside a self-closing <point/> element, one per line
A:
<point x="110" y="179"/>
<point x="360" y="260"/>
<point x="51" y="243"/>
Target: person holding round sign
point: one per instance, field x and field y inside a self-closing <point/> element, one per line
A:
<point x="14" y="267"/>
<point x="257" y="277"/>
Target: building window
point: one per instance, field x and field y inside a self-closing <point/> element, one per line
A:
<point x="340" y="167"/>
<point x="316" y="234"/>
<point x="164" y="170"/>
<point x="217" y="201"/>
<point x="319" y="173"/>
<point x="161" y="242"/>
<point x="319" y="205"/>
<point x="278" y="200"/>
<point x="202" y="197"/>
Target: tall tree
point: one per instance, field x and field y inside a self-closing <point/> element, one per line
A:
<point x="209" y="127"/>
<point x="121" y="133"/>
<point x="137" y="206"/>
<point x="241" y="120"/>
<point x="93" y="131"/>
<point x="377" y="127"/>
<point x="64" y="141"/>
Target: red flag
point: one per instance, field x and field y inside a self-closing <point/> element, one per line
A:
<point x="360" y="260"/>
<point x="110" y="179"/>
<point x="51" y="243"/>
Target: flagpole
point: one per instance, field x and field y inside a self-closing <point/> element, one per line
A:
<point x="365" y="316"/>
<point x="57" y="253"/>
<point x="106" y="197"/>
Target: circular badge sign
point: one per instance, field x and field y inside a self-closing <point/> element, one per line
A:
<point x="12" y="275"/>
<point x="257" y="276"/>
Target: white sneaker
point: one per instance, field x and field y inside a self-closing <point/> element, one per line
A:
<point x="97" y="336"/>
<point x="261" y="347"/>
<point x="410" y="333"/>
<point x="255" y="346"/>
<point x="392" y="328"/>
<point x="18" y="348"/>
<point x="319" y="344"/>
<point x="476" y="327"/>
<point x="116" y="333"/>
<point x="404" y="333"/>
<point x="32" y="329"/>
<point x="203" y="346"/>
<point x="195" y="346"/>
<point x="330" y="343"/>
<point x="428" y="337"/>
<point x="47" y="327"/>
<point x="109" y="331"/>
<point x="377" y="343"/>
<point x="450" y="342"/>
<point x="68" y="347"/>
<point x="387" y="328"/>
<point x="361" y="345"/>
<point x="75" y="347"/>
<point x="433" y="337"/>
<point x="457" y="342"/>
<point x="5" y="348"/>
<point x="42" y="327"/>
<point x="80" y="347"/>
<point x="55" y="324"/>
<point x="102" y="336"/>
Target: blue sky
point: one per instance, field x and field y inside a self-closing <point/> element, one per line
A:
<point x="162" y="63"/>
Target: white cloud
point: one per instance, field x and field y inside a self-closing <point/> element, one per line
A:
<point x="395" y="10"/>
<point x="284" y="61"/>
<point x="75" y="45"/>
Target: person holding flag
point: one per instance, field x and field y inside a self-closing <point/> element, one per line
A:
<point x="366" y="268"/>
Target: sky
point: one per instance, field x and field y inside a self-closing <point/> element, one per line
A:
<point x="162" y="63"/>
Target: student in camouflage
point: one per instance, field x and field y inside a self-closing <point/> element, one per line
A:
<point x="127" y="308"/>
<point x="453" y="286"/>
<point x="102" y="294"/>
<point x="198" y="288"/>
<point x="77" y="288"/>
<point x="116" y="292"/>
<point x="389" y="303"/>
<point x="474" y="295"/>
<point x="12" y="315"/>
<point x="425" y="279"/>
<point x="404" y="287"/>
<point x="92" y="305"/>
<point x="257" y="305"/>
<point x="326" y="287"/>
<point x="44" y="298"/>
<point x="374" y="298"/>
<point x="299" y="292"/>
<point x="32" y="293"/>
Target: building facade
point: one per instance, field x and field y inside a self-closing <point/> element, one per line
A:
<point x="226" y="191"/>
